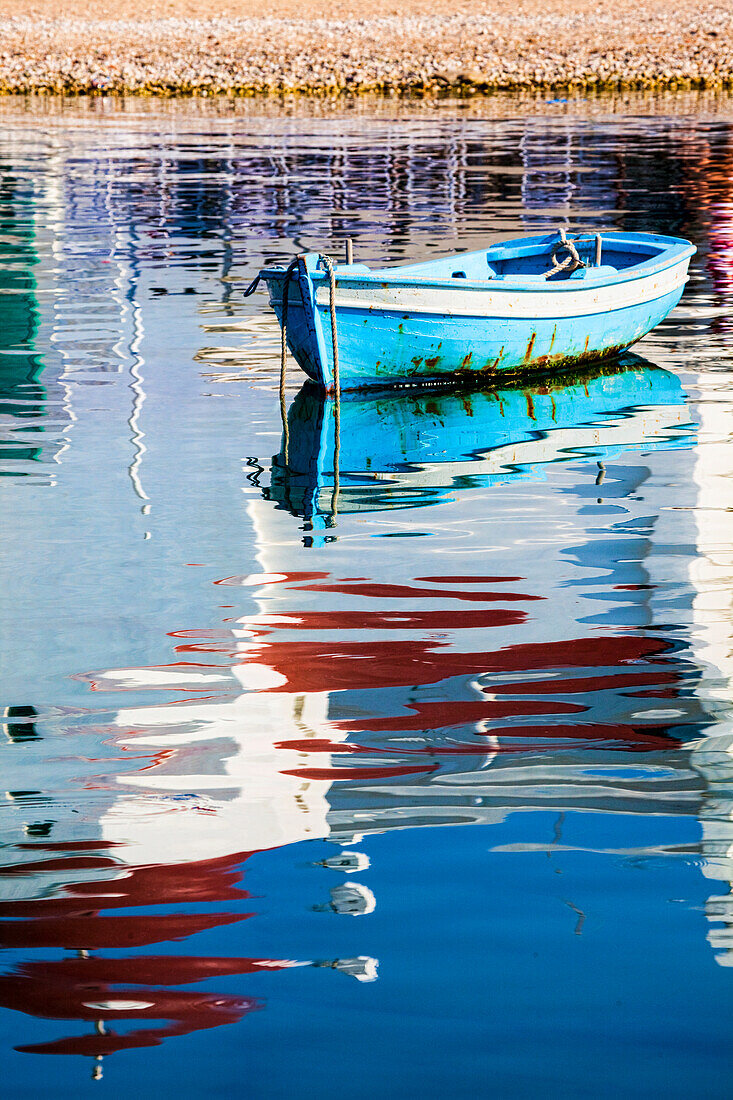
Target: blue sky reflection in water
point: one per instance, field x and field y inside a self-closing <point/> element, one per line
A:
<point x="247" y="705"/>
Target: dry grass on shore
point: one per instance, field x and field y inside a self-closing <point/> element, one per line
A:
<point x="207" y="47"/>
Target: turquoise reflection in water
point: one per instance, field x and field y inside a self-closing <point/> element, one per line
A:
<point x="23" y="397"/>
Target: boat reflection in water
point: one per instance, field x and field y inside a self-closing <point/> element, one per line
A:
<point x="351" y="696"/>
<point x="398" y="449"/>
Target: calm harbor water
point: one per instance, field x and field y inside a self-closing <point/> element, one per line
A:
<point x="411" y="777"/>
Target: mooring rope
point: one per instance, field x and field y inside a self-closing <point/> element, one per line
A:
<point x="284" y="360"/>
<point x="328" y="264"/>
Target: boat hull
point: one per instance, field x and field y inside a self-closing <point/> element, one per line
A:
<point x="404" y="332"/>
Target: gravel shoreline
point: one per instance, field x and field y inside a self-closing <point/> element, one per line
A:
<point x="570" y="46"/>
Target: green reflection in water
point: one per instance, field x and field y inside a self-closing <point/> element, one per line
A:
<point x="22" y="397"/>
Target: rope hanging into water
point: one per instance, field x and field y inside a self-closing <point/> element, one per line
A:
<point x="293" y="267"/>
<point x="328" y="263"/>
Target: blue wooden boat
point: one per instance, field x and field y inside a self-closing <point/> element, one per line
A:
<point x="391" y="448"/>
<point x="541" y="303"/>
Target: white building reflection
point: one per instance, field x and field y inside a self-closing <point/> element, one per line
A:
<point x="346" y="706"/>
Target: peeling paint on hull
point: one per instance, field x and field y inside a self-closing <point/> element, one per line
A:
<point x="479" y="349"/>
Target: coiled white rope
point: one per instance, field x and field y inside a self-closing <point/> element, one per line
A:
<point x="571" y="262"/>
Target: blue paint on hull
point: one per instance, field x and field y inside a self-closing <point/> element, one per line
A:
<point x="376" y="346"/>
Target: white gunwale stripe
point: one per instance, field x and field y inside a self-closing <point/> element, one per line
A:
<point x="497" y="301"/>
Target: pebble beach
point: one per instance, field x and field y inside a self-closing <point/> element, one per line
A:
<point x="411" y="47"/>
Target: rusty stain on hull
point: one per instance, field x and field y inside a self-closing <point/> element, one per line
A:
<point x="546" y="364"/>
<point x="561" y="362"/>
<point x="530" y="345"/>
<point x="490" y="365"/>
<point x="553" y="376"/>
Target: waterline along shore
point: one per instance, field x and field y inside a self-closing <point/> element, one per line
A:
<point x="407" y="46"/>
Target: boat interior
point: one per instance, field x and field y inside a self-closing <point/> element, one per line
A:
<point x="597" y="257"/>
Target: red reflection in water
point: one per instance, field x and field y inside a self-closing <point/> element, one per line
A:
<point x="373" y="620"/>
<point x="144" y="969"/>
<point x="210" y="880"/>
<point x="318" y="666"/>
<point x="562" y="685"/>
<point x="93" y="932"/>
<point x="458" y="712"/>
<point x="469" y="580"/>
<point x="441" y="655"/>
<point x="88" y="989"/>
<point x="340" y="666"/>
<point x="385" y="772"/>
<point x="187" y="1012"/>
<point x="408" y="592"/>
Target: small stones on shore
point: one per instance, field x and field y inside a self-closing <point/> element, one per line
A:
<point x="628" y="46"/>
